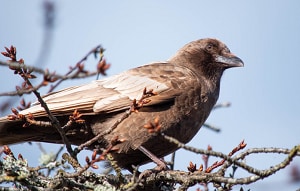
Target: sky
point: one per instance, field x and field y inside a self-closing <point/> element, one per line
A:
<point x="264" y="95"/>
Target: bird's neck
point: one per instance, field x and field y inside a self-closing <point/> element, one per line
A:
<point x="212" y="87"/>
<point x="213" y="78"/>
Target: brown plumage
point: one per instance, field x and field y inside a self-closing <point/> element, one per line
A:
<point x="186" y="89"/>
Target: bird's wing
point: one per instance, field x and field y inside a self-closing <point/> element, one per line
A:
<point x="117" y="92"/>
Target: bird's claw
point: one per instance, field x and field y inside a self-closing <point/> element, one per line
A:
<point x="155" y="170"/>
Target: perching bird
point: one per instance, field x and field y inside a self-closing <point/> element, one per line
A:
<point x="181" y="94"/>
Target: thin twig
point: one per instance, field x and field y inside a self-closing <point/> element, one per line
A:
<point x="295" y="152"/>
<point x="211" y="127"/>
<point x="98" y="48"/>
<point x="53" y="120"/>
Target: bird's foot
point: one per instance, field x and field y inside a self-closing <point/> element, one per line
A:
<point x="161" y="164"/>
<point x="155" y="170"/>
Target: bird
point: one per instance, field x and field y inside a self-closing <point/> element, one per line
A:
<point x="131" y="111"/>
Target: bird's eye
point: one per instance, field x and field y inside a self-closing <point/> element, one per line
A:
<point x="209" y="47"/>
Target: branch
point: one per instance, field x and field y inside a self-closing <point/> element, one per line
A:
<point x="190" y="179"/>
<point x="47" y="75"/>
<point x="95" y="51"/>
<point x="291" y="154"/>
<point x="19" y="68"/>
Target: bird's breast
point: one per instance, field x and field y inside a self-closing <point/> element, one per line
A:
<point x="190" y="112"/>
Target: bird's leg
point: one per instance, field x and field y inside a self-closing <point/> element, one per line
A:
<point x="161" y="165"/>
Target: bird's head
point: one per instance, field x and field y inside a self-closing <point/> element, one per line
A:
<point x="208" y="57"/>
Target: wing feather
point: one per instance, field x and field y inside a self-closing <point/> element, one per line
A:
<point x="114" y="93"/>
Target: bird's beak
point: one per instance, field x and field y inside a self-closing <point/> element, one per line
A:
<point x="229" y="62"/>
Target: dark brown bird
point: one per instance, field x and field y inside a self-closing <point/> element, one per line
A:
<point x="185" y="89"/>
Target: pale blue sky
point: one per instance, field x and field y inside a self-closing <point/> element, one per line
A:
<point x="264" y="34"/>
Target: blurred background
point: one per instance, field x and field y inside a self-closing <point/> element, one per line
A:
<point x="264" y="95"/>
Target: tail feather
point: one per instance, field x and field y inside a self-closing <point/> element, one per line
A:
<point x="13" y="131"/>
